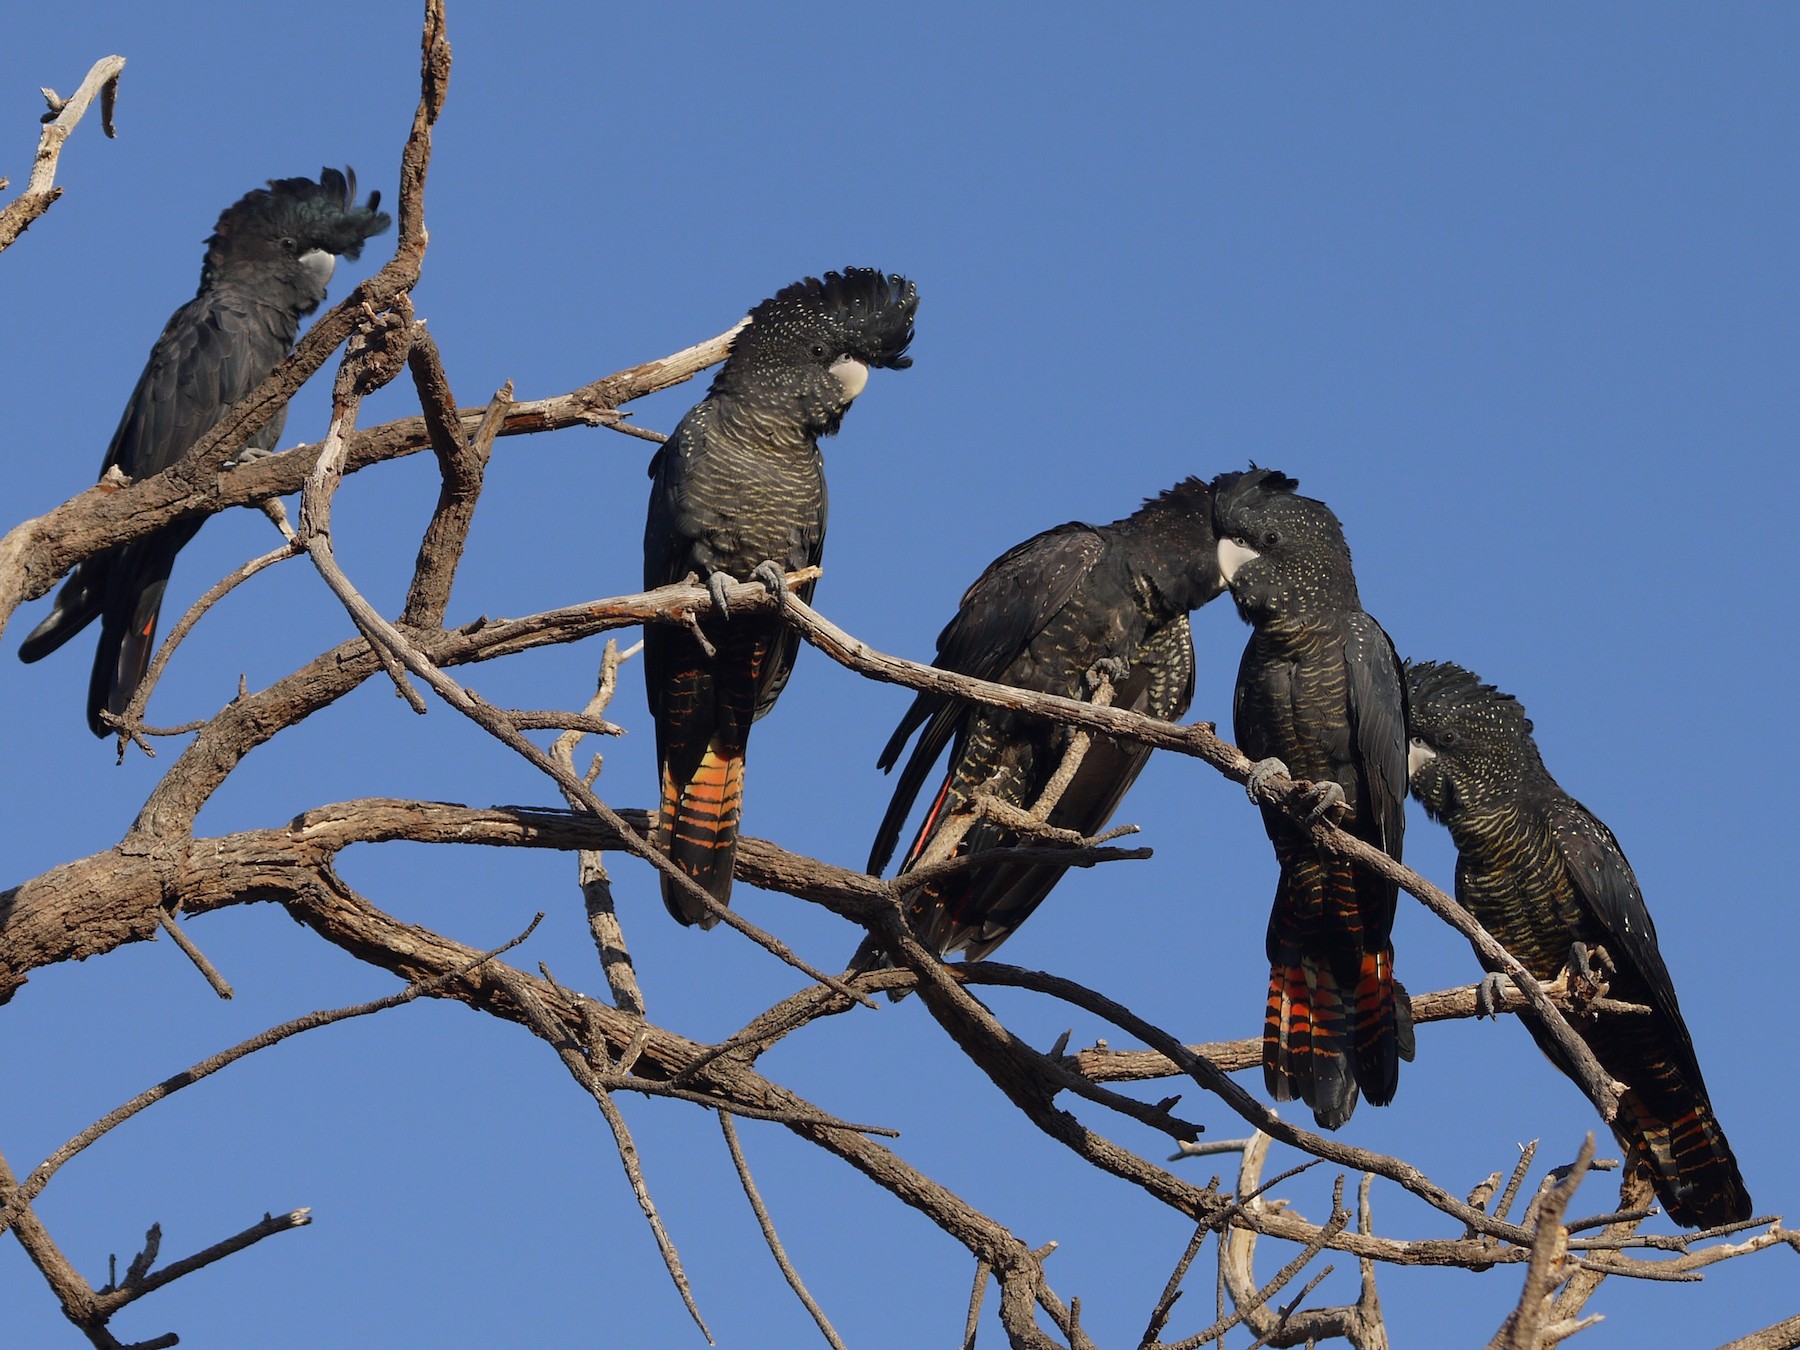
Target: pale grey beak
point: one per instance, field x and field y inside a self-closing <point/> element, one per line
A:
<point x="1418" y="755"/>
<point x="851" y="374"/>
<point x="319" y="264"/>
<point x="1233" y="555"/>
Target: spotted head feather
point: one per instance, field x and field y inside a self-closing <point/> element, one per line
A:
<point x="1280" y="552"/>
<point x="806" y="353"/>
<point x="1174" y="544"/>
<point x="860" y="313"/>
<point x="1466" y="739"/>
<point x="1443" y="690"/>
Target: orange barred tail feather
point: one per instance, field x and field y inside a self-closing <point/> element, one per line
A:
<point x="1306" y="1042"/>
<point x="697" y="828"/>
<point x="1287" y="1035"/>
<point x="1376" y="1034"/>
<point x="1688" y="1161"/>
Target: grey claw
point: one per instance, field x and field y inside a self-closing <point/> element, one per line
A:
<point x="1489" y="994"/>
<point x="1260" y="774"/>
<point x="247" y="455"/>
<point x="1330" y="794"/>
<point x="715" y="585"/>
<point x="770" y="573"/>
<point x="1592" y="964"/>
<point x="1108" y="669"/>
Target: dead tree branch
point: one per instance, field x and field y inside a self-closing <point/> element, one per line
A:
<point x="41" y="190"/>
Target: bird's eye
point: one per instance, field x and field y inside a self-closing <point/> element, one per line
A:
<point x="819" y="350"/>
<point x="1449" y="736"/>
<point x="1270" y="538"/>
<point x="291" y="244"/>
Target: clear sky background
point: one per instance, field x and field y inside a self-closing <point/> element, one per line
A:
<point x="1513" y="289"/>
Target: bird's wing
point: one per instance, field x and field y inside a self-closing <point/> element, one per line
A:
<point x="1161" y="683"/>
<point x="1008" y="605"/>
<point x="668" y="543"/>
<point x="1377" y="699"/>
<point x="1609" y="890"/>
<point x="214" y="350"/>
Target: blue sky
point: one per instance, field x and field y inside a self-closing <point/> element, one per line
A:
<point x="1512" y="289"/>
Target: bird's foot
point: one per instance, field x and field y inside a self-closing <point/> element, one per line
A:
<point x="1579" y="962"/>
<point x="771" y="574"/>
<point x="1107" y="670"/>
<point x="248" y="455"/>
<point x="1490" y="994"/>
<point x="1587" y="974"/>
<point x="715" y="587"/>
<point x="1260" y="774"/>
<point x="1327" y="796"/>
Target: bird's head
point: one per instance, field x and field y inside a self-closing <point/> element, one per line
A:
<point x="1280" y="553"/>
<point x="295" y="229"/>
<point x="808" y="348"/>
<point x="1465" y="740"/>
<point x="1179" y="524"/>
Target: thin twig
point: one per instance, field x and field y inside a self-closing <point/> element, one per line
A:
<point x="596" y="885"/>
<point x="1527" y="1153"/>
<point x="547" y="1030"/>
<point x="109" y="1301"/>
<point x="983" y="1273"/>
<point x="1524" y="1326"/>
<point x="767" y="1224"/>
<point x="1171" y="1294"/>
<point x="40" y="1175"/>
<point x="130" y="723"/>
<point x="194" y="954"/>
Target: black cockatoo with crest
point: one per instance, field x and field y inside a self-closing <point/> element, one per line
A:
<point x="1542" y="874"/>
<point x="1055" y="614"/>
<point x="267" y="264"/>
<point x="739" y="493"/>
<point x="1320" y="697"/>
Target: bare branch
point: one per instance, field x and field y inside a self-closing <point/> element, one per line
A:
<point x="596" y="886"/>
<point x="1781" y="1336"/>
<point x="1105" y="1065"/>
<point x="767" y="1224"/>
<point x="976" y="1294"/>
<point x="1525" y="1328"/>
<point x="109" y="1301"/>
<point x="538" y="1017"/>
<point x="193" y="953"/>
<point x="41" y="190"/>
<point x="73" y="1292"/>
<point x="22" y="1195"/>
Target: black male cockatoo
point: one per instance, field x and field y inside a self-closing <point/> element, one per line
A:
<point x="267" y="263"/>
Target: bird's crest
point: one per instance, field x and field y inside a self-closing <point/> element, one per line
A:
<point x="1189" y="495"/>
<point x="1233" y="492"/>
<point x="1442" y="690"/>
<point x="322" y="215"/>
<point x="860" y="312"/>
